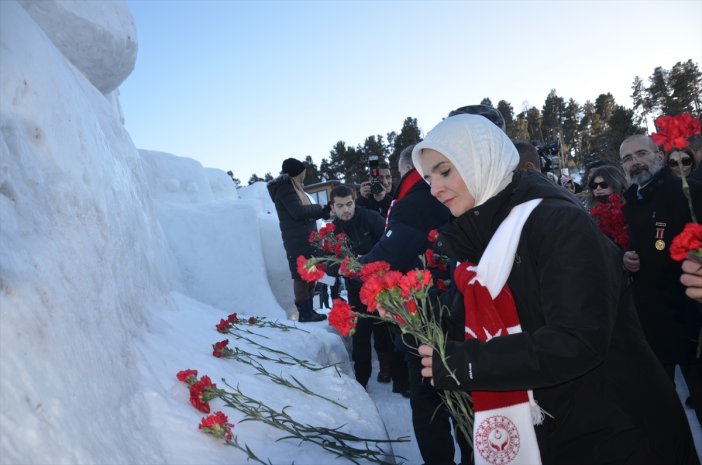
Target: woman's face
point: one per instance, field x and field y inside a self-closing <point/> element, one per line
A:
<point x="446" y="183"/>
<point x="686" y="161"/>
<point x="600" y="187"/>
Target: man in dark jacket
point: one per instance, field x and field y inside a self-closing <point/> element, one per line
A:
<point x="656" y="211"/>
<point x="297" y="216"/>
<point x="363" y="228"/>
<point x="413" y="214"/>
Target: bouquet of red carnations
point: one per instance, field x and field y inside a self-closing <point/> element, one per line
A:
<point x="611" y="221"/>
<point x="399" y="298"/>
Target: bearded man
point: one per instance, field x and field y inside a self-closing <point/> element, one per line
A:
<point x="656" y="210"/>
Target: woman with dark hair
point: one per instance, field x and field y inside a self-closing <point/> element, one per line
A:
<point x="606" y="184"/>
<point x="297" y="216"/>
<point x="686" y="157"/>
<point x="604" y="181"/>
<point x="554" y="355"/>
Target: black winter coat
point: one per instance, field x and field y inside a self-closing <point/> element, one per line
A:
<point x="364" y="230"/>
<point x="297" y="221"/>
<point x="669" y="318"/>
<point x="582" y="350"/>
<point x="410" y="220"/>
<point x="370" y="203"/>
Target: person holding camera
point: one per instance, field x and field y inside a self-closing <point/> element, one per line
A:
<point x="376" y="194"/>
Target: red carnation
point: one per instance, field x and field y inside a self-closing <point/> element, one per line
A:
<point x="224" y="325"/>
<point x="370" y="290"/>
<point x="327" y="229"/>
<point x="414" y="280"/>
<point x="327" y="247"/>
<point x="217" y="425"/>
<point x="689" y="240"/>
<point x="435" y="260"/>
<point x="391" y="279"/>
<point x="342" y="317"/>
<point x="187" y="376"/>
<point x="309" y="270"/>
<point x="201" y="392"/>
<point x="433" y="235"/>
<point x="348" y="268"/>
<point x="411" y="306"/>
<point x="375" y="268"/>
<point x="220" y="349"/>
<point x="443" y="284"/>
<point x="431" y="259"/>
<point x="674" y="131"/>
<point x="313" y="237"/>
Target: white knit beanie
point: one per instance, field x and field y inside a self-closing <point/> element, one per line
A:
<point x="483" y="154"/>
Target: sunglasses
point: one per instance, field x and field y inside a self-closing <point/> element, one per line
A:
<point x="601" y="185"/>
<point x="686" y="161"/>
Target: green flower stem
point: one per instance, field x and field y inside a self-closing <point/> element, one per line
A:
<point x="243" y="356"/>
<point x="262" y="322"/>
<point x="304" y="363"/>
<point x="330" y="439"/>
<point x="429" y="332"/>
<point x="686" y="191"/>
<point x="249" y="453"/>
<point x="282" y="381"/>
<point x="459" y="404"/>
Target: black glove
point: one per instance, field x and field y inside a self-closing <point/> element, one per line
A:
<point x="326" y="212"/>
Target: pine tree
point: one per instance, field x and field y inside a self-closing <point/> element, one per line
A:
<point x="657" y="92"/>
<point x="507" y="112"/>
<point x="312" y="173"/>
<point x="486" y="101"/>
<point x="685" y="86"/>
<point x="552" y="116"/>
<point x="409" y="134"/>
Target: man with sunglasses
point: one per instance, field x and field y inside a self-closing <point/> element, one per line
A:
<point x="656" y="211"/>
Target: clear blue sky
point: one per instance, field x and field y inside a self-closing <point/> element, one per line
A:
<point x="242" y="85"/>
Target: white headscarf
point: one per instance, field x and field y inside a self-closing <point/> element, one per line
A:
<point x="483" y="154"/>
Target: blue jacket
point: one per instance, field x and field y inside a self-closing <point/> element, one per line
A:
<point x="410" y="219"/>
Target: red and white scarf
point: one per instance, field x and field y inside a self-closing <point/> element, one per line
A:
<point x="503" y="431"/>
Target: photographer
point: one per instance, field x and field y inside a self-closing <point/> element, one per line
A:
<point x="376" y="194"/>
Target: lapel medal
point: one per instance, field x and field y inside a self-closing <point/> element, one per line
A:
<point x="660" y="231"/>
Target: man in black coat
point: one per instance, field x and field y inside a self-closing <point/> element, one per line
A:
<point x="656" y="211"/>
<point x="363" y="228"/>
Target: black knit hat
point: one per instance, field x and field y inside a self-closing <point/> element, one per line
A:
<point x="292" y="167"/>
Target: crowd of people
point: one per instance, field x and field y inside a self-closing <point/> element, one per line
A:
<point x="564" y="299"/>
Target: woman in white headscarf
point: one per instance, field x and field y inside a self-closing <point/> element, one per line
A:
<point x="554" y="355"/>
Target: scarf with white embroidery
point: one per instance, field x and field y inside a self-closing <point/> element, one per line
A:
<point x="503" y="431"/>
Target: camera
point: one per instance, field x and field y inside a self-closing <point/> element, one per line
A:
<point x="375" y="186"/>
<point x="547" y="152"/>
